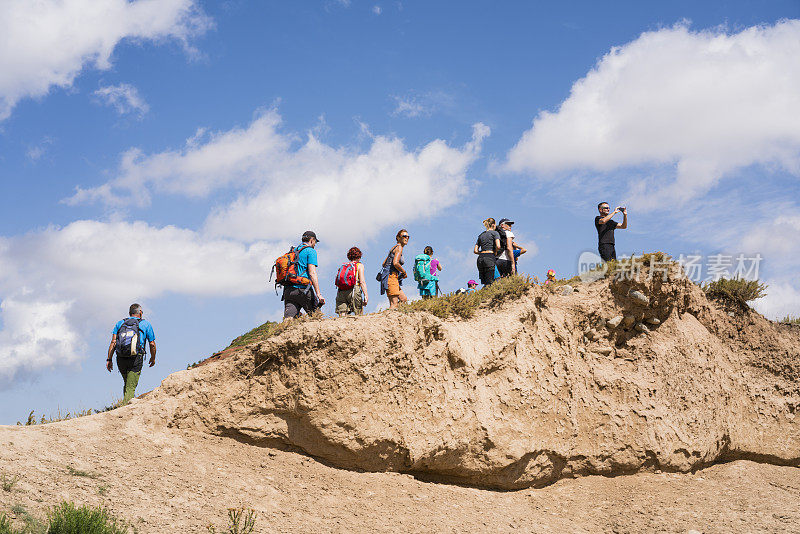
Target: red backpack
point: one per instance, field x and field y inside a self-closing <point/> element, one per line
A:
<point x="346" y="276"/>
<point x="285" y="269"/>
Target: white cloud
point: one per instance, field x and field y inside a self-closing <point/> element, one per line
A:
<point x="59" y="282"/>
<point x="704" y="102"/>
<point x="35" y="153"/>
<point x="47" y="43"/>
<point x="351" y="195"/>
<point x="207" y="162"/>
<point x="422" y="104"/>
<point x="35" y="335"/>
<point x="783" y="298"/>
<point x="346" y="192"/>
<point x="376" y="10"/>
<point x="409" y="107"/>
<point x="124" y="98"/>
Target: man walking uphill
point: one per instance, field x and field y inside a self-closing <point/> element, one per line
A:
<point x="605" y="226"/>
<point x="129" y="339"/>
<point x="304" y="295"/>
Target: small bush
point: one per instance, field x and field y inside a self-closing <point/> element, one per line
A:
<point x="5" y="525"/>
<point x="67" y="519"/>
<point x="8" y="483"/>
<point x="735" y="290"/>
<point x="463" y="305"/>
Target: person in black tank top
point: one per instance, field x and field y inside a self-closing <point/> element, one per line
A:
<point x="486" y="246"/>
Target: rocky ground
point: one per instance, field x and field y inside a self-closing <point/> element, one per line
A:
<point x="169" y="480"/>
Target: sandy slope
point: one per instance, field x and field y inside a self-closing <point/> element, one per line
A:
<point x="167" y="480"/>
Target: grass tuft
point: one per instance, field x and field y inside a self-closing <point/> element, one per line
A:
<point x="5" y="525"/>
<point x="464" y="305"/>
<point x="790" y="319"/>
<point x="735" y="290"/>
<point x="240" y="521"/>
<point x="67" y="519"/>
<point x="43" y="420"/>
<point x="8" y="483"/>
<point x="80" y="473"/>
<point x="269" y="329"/>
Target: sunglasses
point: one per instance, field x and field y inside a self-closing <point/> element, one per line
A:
<point x="405" y="236"/>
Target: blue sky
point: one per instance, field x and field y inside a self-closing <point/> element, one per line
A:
<point x="166" y="152"/>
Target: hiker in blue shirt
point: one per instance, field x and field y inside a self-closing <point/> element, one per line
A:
<point x="297" y="297"/>
<point x="129" y="340"/>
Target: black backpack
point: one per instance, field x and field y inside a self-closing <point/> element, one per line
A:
<point x="130" y="342"/>
<point x="503" y="240"/>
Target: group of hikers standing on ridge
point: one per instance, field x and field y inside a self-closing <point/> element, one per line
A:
<point x="497" y="256"/>
<point x="496" y="250"/>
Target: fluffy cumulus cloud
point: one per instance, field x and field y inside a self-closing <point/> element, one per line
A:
<point x="46" y="43"/>
<point x="341" y="190"/>
<point x="703" y="103"/>
<point x="56" y="282"/>
<point x="124" y="98"/>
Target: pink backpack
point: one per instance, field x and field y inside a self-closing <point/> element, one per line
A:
<point x="346" y="276"/>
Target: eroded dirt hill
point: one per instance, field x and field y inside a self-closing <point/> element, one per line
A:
<point x="603" y="381"/>
<point x="618" y="377"/>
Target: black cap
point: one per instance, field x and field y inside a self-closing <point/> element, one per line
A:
<point x="308" y="234"/>
<point x="505" y="221"/>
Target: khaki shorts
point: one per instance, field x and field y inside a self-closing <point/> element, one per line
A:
<point x="350" y="301"/>
<point x="393" y="285"/>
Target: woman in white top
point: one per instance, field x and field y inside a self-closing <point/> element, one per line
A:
<point x="505" y="260"/>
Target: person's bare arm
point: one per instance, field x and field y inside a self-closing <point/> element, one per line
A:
<point x="111" y="346"/>
<point x="398" y="251"/>
<point x="440" y="268"/>
<point x="624" y="224"/>
<point x="312" y="275"/>
<point x="605" y="219"/>
<point x="362" y="282"/>
<point x="510" y="245"/>
<point x="152" y="353"/>
<point x="522" y="250"/>
<point x="475" y="250"/>
<point x="496" y="246"/>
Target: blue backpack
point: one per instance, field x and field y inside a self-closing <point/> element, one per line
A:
<point x="130" y="341"/>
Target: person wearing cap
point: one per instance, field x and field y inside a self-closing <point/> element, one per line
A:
<point x="506" y="261"/>
<point x="471" y="286"/>
<point x="298" y="297"/>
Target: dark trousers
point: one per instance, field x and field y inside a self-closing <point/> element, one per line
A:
<point x="486" y="264"/>
<point x="504" y="266"/>
<point x="296" y="299"/>
<point x="607" y="251"/>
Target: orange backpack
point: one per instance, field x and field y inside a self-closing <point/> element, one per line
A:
<point x="285" y="269"/>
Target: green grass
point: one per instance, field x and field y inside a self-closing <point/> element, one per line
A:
<point x="8" y="483"/>
<point x="68" y="519"/>
<point x="790" y="319"/>
<point x="31" y="524"/>
<point x="43" y="420"/>
<point x="240" y="521"/>
<point x="464" y="305"/>
<point x="79" y="473"/>
<point x="735" y="290"/>
<point x="259" y="333"/>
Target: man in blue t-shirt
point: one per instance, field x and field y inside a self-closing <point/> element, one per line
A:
<point x="130" y="367"/>
<point x="297" y="297"/>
